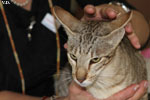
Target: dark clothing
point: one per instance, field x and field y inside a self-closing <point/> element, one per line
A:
<point x="37" y="57"/>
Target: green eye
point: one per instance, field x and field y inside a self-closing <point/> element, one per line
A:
<point x="73" y="57"/>
<point x="95" y="60"/>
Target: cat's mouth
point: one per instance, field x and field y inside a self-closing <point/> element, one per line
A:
<point x="85" y="83"/>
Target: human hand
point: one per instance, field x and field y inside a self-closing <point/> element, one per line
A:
<point x="78" y="93"/>
<point x="110" y="12"/>
<point x="133" y="92"/>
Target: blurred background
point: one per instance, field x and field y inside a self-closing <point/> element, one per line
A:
<point x="142" y="5"/>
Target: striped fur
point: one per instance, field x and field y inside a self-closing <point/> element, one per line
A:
<point x="102" y="59"/>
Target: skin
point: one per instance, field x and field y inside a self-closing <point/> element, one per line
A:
<point x="26" y="7"/>
<point x="137" y="30"/>
<point x="133" y="92"/>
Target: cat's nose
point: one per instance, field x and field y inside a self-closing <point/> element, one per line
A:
<point x="80" y="80"/>
<point x="81" y="74"/>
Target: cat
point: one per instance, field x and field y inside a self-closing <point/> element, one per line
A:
<point x="102" y="59"/>
<point x="148" y="71"/>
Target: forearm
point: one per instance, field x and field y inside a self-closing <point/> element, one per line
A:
<point x="140" y="27"/>
<point x="7" y="95"/>
<point x="139" y="23"/>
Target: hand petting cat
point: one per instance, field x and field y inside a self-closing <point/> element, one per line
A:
<point x="110" y="12"/>
<point x="137" y="30"/>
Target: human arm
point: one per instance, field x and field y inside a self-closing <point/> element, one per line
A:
<point x="7" y="95"/>
<point x="133" y="92"/>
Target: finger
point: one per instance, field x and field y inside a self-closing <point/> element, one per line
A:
<point x="108" y="13"/>
<point x="89" y="12"/>
<point x="128" y="29"/>
<point x="75" y="88"/>
<point x="141" y="91"/>
<point x="132" y="36"/>
<point x="125" y="93"/>
<point x="134" y="40"/>
<point x="76" y="92"/>
<point x="65" y="45"/>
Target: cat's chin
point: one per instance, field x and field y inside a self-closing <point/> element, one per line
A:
<point x="85" y="83"/>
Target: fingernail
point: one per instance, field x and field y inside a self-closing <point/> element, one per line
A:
<point x="138" y="45"/>
<point x="112" y="14"/>
<point x="112" y="11"/>
<point x="91" y="10"/>
<point x="136" y="87"/>
<point x="128" y="26"/>
<point x="146" y="84"/>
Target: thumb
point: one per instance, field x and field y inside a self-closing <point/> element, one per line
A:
<point x="125" y="93"/>
<point x="75" y="88"/>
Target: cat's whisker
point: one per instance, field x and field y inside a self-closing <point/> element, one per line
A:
<point x="63" y="74"/>
<point x="106" y="83"/>
<point x="66" y="72"/>
<point x="106" y="75"/>
<point x="69" y="81"/>
<point x="66" y="79"/>
<point x="101" y="84"/>
<point x="111" y="75"/>
<point x="99" y="81"/>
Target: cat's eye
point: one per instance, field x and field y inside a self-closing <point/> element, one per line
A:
<point x="73" y="57"/>
<point x="95" y="60"/>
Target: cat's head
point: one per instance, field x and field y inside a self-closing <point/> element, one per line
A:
<point x="91" y="44"/>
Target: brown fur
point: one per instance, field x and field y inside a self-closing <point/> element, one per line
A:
<point x="102" y="58"/>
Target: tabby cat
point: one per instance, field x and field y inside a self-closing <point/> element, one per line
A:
<point x="102" y="58"/>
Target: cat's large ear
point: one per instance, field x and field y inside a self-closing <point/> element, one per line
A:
<point x="115" y="37"/>
<point x="69" y="22"/>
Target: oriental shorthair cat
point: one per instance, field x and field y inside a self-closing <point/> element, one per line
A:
<point x="101" y="57"/>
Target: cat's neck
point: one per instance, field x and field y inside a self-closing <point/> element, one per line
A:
<point x="120" y="71"/>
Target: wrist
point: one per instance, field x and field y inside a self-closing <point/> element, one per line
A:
<point x="45" y="98"/>
<point x="54" y="98"/>
<point x="120" y="8"/>
<point x="122" y="5"/>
